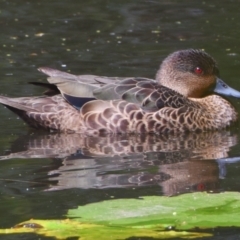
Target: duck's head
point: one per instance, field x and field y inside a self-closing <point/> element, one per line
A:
<point x="193" y="73"/>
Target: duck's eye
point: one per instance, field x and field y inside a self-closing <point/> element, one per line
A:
<point x="198" y="71"/>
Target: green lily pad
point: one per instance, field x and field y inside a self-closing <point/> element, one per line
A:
<point x="184" y="212"/>
<point x="155" y="217"/>
<point x="63" y="229"/>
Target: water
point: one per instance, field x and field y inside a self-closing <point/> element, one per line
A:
<point x="46" y="174"/>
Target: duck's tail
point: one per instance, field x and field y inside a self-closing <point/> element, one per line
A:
<point x="19" y="106"/>
<point x="16" y="103"/>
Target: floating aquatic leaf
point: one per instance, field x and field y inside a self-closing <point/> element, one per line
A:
<point x="184" y="212"/>
<point x="63" y="229"/>
<point x="155" y="217"/>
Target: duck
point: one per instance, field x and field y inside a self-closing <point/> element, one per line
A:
<point x="187" y="95"/>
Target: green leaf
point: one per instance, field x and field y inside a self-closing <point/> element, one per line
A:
<point x="63" y="229"/>
<point x="155" y="217"/>
<point x="184" y="212"/>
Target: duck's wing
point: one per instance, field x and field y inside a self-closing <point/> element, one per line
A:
<point x="70" y="84"/>
<point x="77" y="85"/>
<point x="77" y="89"/>
<point x="144" y="92"/>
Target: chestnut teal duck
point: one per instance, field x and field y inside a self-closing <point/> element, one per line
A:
<point x="185" y="97"/>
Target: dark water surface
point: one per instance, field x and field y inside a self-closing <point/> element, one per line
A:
<point x="47" y="174"/>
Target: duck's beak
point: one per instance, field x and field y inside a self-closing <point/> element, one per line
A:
<point x="222" y="88"/>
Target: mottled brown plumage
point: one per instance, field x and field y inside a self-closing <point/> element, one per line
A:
<point x="181" y="99"/>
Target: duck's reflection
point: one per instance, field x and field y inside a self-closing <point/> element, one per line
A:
<point x="178" y="164"/>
